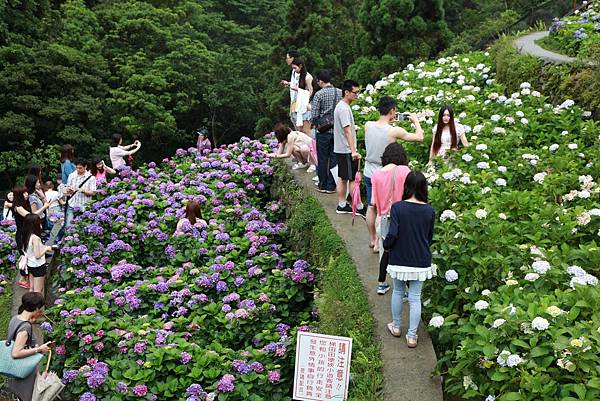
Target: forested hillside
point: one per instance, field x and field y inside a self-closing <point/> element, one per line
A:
<point x="78" y="71"/>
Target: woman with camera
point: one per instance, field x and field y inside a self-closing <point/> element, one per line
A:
<point x="118" y="151"/>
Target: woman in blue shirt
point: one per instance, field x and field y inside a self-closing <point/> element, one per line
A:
<point x="408" y="243"/>
<point x="67" y="154"/>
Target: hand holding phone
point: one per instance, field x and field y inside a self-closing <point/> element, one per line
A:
<point x="402" y="116"/>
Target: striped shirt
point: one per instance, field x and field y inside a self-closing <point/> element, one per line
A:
<point x="79" y="199"/>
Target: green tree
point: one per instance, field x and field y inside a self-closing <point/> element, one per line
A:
<point x="405" y="29"/>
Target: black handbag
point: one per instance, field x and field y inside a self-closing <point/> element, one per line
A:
<point x="328" y="125"/>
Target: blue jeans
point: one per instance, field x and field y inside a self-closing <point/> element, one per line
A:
<point x="325" y="160"/>
<point x="369" y="188"/>
<point x="414" y="300"/>
<point x="68" y="218"/>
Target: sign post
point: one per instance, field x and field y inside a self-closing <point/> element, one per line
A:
<point x="322" y="369"/>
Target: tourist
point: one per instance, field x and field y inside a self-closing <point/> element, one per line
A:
<point x="378" y="134"/>
<point x="20" y="330"/>
<point x="35" y="250"/>
<point x="345" y="147"/>
<point x="388" y="187"/>
<point x="446" y="134"/>
<point x="290" y="56"/>
<point x="36" y="198"/>
<point x="80" y="189"/>
<point x="21" y="208"/>
<point x="322" y="108"/>
<point x="203" y="143"/>
<point x="408" y="242"/>
<point x="192" y="218"/>
<point x="54" y="213"/>
<point x="52" y="196"/>
<point x="304" y="92"/>
<point x="292" y="143"/>
<point x="67" y="154"/>
<point x="6" y="210"/>
<point x="99" y="170"/>
<point x="118" y="151"/>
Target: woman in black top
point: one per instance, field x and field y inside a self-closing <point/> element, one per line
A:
<point x="408" y="242"/>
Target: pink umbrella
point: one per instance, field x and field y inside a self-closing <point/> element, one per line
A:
<point x="356" y="193"/>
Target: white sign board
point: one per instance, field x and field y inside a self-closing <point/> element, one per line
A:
<point x="322" y="367"/>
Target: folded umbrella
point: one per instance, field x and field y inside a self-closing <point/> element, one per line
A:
<point x="356" y="193"/>
<point x="47" y="385"/>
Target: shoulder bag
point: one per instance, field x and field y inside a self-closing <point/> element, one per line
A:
<point x="327" y="125"/>
<point x="384" y="225"/>
<point x="17" y="368"/>
<point x="70" y="196"/>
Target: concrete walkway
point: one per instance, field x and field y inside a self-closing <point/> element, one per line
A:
<point x="526" y="45"/>
<point x="407" y="371"/>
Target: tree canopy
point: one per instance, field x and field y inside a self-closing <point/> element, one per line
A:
<point x="78" y="71"/>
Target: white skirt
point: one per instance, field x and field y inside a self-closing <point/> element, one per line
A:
<point x="408" y="273"/>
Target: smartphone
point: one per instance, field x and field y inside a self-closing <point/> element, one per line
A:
<point x="402" y="116"/>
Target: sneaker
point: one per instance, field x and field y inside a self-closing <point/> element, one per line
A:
<point x="315" y="178"/>
<point x="298" y="166"/>
<point x="325" y="191"/>
<point x="311" y="169"/>
<point x="383" y="288"/>
<point x="411" y="341"/>
<point x="362" y="213"/>
<point x="24" y="284"/>
<point x="343" y="210"/>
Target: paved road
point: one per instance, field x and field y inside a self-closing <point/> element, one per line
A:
<point x="526" y="45"/>
<point x="407" y="371"/>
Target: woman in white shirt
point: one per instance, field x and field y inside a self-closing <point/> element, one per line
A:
<point x="292" y="143"/>
<point x="118" y="151"/>
<point x="305" y="82"/>
<point x="446" y="134"/>
<point x="35" y="251"/>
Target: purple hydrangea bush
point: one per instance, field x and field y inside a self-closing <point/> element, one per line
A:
<point x="206" y="313"/>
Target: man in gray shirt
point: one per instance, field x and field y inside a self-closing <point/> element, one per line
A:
<point x="344" y="146"/>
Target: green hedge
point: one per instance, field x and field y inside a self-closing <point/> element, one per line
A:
<point x="341" y="300"/>
<point x="560" y="82"/>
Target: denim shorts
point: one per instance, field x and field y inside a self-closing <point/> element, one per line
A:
<point x="369" y="188"/>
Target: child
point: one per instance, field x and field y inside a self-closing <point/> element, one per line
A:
<point x="408" y="242"/>
<point x="6" y="210"/>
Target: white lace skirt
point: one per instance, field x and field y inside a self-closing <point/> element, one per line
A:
<point x="408" y="273"/>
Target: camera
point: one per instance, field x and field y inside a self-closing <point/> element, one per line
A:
<point x="402" y="116"/>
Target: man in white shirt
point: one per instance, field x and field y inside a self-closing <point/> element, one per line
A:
<point x="80" y="189"/>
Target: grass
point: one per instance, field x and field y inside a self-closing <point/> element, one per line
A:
<point x="340" y="297"/>
<point x="551" y="44"/>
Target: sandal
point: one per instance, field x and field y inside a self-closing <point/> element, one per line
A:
<point x="395" y="331"/>
<point x="411" y="342"/>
